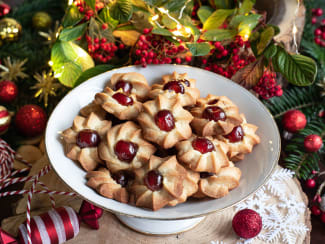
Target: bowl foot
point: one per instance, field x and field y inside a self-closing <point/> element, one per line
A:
<point x="159" y="227"/>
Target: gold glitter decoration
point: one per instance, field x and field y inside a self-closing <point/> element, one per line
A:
<point x="10" y="29"/>
<point x="51" y="35"/>
<point x="46" y="86"/>
<point x="13" y="70"/>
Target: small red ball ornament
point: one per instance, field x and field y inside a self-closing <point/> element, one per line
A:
<point x="4" y="9"/>
<point x="294" y="120"/>
<point x="247" y="223"/>
<point x="5" y="119"/>
<point x="31" y="120"/>
<point x="313" y="143"/>
<point x="310" y="183"/>
<point x="8" y="91"/>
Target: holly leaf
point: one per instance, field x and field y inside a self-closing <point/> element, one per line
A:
<point x="69" y="61"/>
<point x="106" y="18"/>
<point x="98" y="69"/>
<point x="198" y="49"/>
<point x="299" y="70"/>
<point x="91" y="3"/>
<point x="217" y="18"/>
<point x="161" y="31"/>
<point x="72" y="33"/>
<point x="246" y="7"/>
<point x="72" y="16"/>
<point x="121" y="10"/>
<point x="265" y="39"/>
<point x="204" y="13"/>
<point x="250" y="74"/>
<point x="270" y="51"/>
<point x="219" y="35"/>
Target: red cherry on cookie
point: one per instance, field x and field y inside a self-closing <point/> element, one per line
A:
<point x="204" y="175"/>
<point x="214" y="113"/>
<point x="165" y="120"/>
<point x="175" y="86"/>
<point x="88" y="138"/>
<point x="124" y="85"/>
<point x="122" y="177"/>
<point x="154" y="180"/>
<point x="236" y="135"/>
<point x="123" y="99"/>
<point x="202" y="145"/>
<point x="125" y="150"/>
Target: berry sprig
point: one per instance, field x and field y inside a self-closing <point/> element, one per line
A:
<point x="319" y="32"/>
<point x="86" y="10"/>
<point x="102" y="50"/>
<point x="154" y="49"/>
<point x="267" y="86"/>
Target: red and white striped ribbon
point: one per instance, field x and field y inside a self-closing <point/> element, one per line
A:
<point x="55" y="226"/>
<point x="7" y="156"/>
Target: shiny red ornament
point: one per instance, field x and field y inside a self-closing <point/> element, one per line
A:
<point x="294" y="120"/>
<point x="247" y="223"/>
<point x="313" y="143"/>
<point x="5" y="238"/>
<point x="90" y="214"/>
<point x="310" y="183"/>
<point x="4" y="9"/>
<point x="5" y="119"/>
<point x="31" y="120"/>
<point x="8" y="91"/>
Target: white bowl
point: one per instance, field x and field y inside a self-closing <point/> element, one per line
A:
<point x="256" y="167"/>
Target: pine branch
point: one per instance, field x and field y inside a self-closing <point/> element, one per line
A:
<point x="295" y="98"/>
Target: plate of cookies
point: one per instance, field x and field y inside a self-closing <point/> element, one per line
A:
<point x="166" y="142"/>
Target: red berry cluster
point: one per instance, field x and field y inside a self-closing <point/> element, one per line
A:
<point x="320" y="30"/>
<point x="154" y="49"/>
<point x="318" y="212"/>
<point x="102" y="50"/>
<point x="267" y="86"/>
<point x="85" y="9"/>
<point x="238" y="55"/>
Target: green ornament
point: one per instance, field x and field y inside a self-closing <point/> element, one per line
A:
<point x="42" y="20"/>
<point x="10" y="30"/>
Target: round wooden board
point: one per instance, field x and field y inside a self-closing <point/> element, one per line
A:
<point x="215" y="227"/>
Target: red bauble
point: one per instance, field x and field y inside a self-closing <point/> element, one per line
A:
<point x="5" y="119"/>
<point x="8" y="91"/>
<point x="294" y="120"/>
<point x="31" y="120"/>
<point x="4" y="9"/>
<point x="310" y="183"/>
<point x="247" y="223"/>
<point x="313" y="143"/>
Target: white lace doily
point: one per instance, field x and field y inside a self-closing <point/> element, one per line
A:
<point x="281" y="212"/>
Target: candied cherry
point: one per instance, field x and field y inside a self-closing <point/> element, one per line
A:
<point x="175" y="86"/>
<point x="124" y="85"/>
<point x="123" y="177"/>
<point x="214" y="113"/>
<point x="88" y="138"/>
<point x="125" y="150"/>
<point x="123" y="99"/>
<point x="165" y="120"/>
<point x="204" y="175"/>
<point x="202" y="145"/>
<point x="154" y="180"/>
<point x="236" y="135"/>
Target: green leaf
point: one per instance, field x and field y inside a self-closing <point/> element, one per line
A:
<point x="265" y="39"/>
<point x="98" y="69"/>
<point x="168" y="22"/>
<point x="121" y="10"/>
<point x="250" y="74"/>
<point x="246" y="7"/>
<point x="217" y="18"/>
<point x="249" y="23"/>
<point x="72" y="16"/>
<point x="270" y="51"/>
<point x="275" y="27"/>
<point x="204" y="13"/>
<point x="91" y="3"/>
<point x="106" y="18"/>
<point x="299" y="70"/>
<point x="155" y="3"/>
<point x="72" y="33"/>
<point x="95" y="30"/>
<point x="175" y="6"/>
<point x="194" y="30"/>
<point x="219" y="35"/>
<point x="225" y="4"/>
<point x="161" y="31"/>
<point x="198" y="49"/>
<point x="69" y="61"/>
<point x="140" y="20"/>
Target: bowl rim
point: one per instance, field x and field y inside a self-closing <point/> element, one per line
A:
<point x="268" y="176"/>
